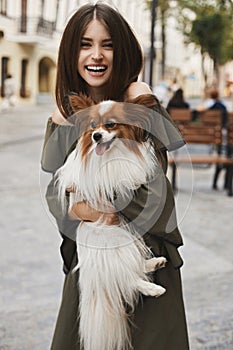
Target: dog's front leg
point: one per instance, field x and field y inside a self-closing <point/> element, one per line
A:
<point x="155" y="264"/>
<point x="150" y="289"/>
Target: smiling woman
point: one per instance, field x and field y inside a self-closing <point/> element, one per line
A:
<point x="101" y="59"/>
<point x="122" y="54"/>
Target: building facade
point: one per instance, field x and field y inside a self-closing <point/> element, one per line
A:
<point x="30" y="32"/>
<point x="29" y="37"/>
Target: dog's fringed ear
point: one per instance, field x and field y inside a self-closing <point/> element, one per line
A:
<point x="78" y="102"/>
<point x="147" y="100"/>
<point x="139" y="110"/>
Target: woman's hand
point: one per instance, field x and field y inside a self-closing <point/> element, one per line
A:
<point x="83" y="211"/>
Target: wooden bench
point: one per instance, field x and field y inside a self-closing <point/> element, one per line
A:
<point x="181" y="115"/>
<point x="211" y="117"/>
<point x="207" y="132"/>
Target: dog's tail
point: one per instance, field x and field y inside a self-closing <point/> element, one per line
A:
<point x="107" y="278"/>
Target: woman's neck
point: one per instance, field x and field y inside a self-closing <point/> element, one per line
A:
<point x="97" y="94"/>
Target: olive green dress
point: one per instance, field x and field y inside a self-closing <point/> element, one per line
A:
<point x="157" y="323"/>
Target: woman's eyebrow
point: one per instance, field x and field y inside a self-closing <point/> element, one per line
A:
<point x="87" y="39"/>
<point x="104" y="40"/>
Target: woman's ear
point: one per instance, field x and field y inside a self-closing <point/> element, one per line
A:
<point x="79" y="101"/>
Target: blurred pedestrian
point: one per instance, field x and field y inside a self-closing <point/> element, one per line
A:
<point x="212" y="102"/>
<point x="9" y="99"/>
<point x="162" y="93"/>
<point x="215" y="103"/>
<point x="174" y="86"/>
<point x="177" y="100"/>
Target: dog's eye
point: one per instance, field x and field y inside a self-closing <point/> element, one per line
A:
<point x="93" y="125"/>
<point x="110" y="124"/>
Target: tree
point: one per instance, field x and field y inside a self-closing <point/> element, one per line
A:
<point x="208" y="32"/>
<point x="162" y="9"/>
<point x="210" y="28"/>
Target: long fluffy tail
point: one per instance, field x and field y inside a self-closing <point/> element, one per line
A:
<point x="110" y="264"/>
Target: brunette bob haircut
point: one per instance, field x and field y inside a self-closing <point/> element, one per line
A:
<point x="127" y="54"/>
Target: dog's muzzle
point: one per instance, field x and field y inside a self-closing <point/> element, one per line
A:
<point x="101" y="146"/>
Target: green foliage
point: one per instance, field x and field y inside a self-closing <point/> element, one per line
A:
<point x="209" y="24"/>
<point x="208" y="32"/>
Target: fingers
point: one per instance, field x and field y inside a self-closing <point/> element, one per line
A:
<point x="110" y="219"/>
<point x="83" y="211"/>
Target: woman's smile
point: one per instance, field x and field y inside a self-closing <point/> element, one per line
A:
<point x="96" y="70"/>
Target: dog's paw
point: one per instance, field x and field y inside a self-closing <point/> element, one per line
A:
<point x="160" y="262"/>
<point x="155" y="264"/>
<point x="150" y="289"/>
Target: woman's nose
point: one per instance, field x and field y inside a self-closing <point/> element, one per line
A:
<point x="97" y="53"/>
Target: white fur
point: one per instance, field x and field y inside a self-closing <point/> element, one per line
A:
<point x="105" y="106"/>
<point x="112" y="261"/>
<point x="115" y="172"/>
<point x="109" y="275"/>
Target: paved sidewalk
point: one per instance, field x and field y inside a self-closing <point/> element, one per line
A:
<point x="207" y="273"/>
<point x="31" y="269"/>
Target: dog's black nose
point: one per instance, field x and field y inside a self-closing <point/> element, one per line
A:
<point x="97" y="136"/>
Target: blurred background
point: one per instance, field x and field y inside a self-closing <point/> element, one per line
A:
<point x="187" y="43"/>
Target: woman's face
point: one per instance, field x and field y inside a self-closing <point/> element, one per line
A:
<point x="95" y="61"/>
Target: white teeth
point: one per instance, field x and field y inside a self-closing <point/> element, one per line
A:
<point x="96" y="68"/>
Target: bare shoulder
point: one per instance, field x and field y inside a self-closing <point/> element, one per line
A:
<point x="136" y="89"/>
<point x="58" y="118"/>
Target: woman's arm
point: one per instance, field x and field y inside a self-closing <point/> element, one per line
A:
<point x="83" y="211"/>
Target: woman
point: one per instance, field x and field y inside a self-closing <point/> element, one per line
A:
<point x="100" y="57"/>
<point x="177" y="100"/>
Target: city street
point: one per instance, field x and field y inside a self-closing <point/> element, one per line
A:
<point x="31" y="268"/>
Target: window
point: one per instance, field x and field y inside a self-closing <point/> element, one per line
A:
<point x="23" y="28"/>
<point x="4" y="71"/>
<point x="3" y="7"/>
<point x="23" y="90"/>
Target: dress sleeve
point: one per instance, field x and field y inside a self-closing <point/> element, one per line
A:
<point x="165" y="130"/>
<point x="58" y="143"/>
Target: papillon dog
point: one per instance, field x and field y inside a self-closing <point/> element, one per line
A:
<point x="113" y="158"/>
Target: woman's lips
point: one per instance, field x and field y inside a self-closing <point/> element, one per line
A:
<point x="96" y="70"/>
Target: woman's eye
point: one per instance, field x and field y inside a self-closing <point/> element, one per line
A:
<point x="109" y="45"/>
<point x="85" y="44"/>
<point x="93" y="125"/>
<point x="110" y="124"/>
